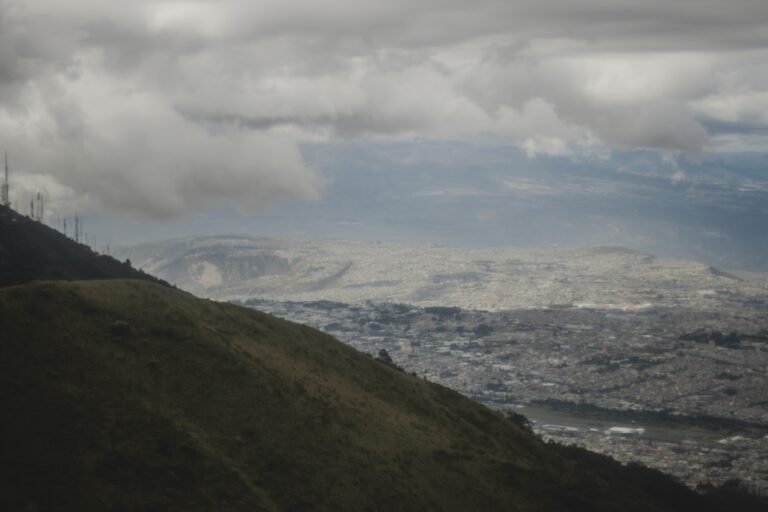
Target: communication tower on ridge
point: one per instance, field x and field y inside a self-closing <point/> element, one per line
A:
<point x="40" y="207"/>
<point x="5" y="200"/>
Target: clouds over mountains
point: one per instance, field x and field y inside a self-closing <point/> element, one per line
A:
<point x="162" y="106"/>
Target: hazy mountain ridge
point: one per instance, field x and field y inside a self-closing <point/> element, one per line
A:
<point x="237" y="268"/>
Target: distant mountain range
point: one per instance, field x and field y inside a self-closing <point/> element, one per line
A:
<point x="480" y="195"/>
<point x="239" y="268"/>
<point x="125" y="394"/>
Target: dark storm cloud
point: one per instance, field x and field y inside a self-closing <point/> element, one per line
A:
<point x="162" y="106"/>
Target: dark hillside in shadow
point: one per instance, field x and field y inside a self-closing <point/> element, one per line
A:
<point x="32" y="251"/>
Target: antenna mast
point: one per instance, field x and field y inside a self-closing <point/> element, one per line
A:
<point x="4" y="199"/>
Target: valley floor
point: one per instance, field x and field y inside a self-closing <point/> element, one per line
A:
<point x="696" y="393"/>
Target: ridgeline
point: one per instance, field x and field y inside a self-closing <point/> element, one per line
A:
<point x="31" y="251"/>
<point x="126" y="394"/>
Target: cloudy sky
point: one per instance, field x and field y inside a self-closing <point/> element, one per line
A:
<point x="161" y="110"/>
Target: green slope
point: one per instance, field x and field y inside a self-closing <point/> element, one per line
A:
<point x="127" y="395"/>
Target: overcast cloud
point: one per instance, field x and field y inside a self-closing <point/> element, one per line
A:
<point x="159" y="107"/>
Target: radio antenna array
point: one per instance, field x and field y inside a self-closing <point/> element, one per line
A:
<point x="5" y="199"/>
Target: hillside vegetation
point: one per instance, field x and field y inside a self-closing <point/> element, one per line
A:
<point x="128" y="395"/>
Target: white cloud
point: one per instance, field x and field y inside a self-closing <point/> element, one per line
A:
<point x="129" y="150"/>
<point x="139" y="105"/>
<point x="745" y="106"/>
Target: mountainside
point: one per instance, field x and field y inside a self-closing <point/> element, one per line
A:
<point x="131" y="395"/>
<point x="126" y="395"/>
<point x="240" y="268"/>
<point x="30" y="250"/>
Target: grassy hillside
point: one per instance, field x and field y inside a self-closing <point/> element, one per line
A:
<point x="127" y="395"/>
<point x="30" y="250"/>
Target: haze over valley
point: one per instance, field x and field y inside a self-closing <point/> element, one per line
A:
<point x="234" y="267"/>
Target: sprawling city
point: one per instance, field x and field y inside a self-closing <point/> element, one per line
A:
<point x="647" y="359"/>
